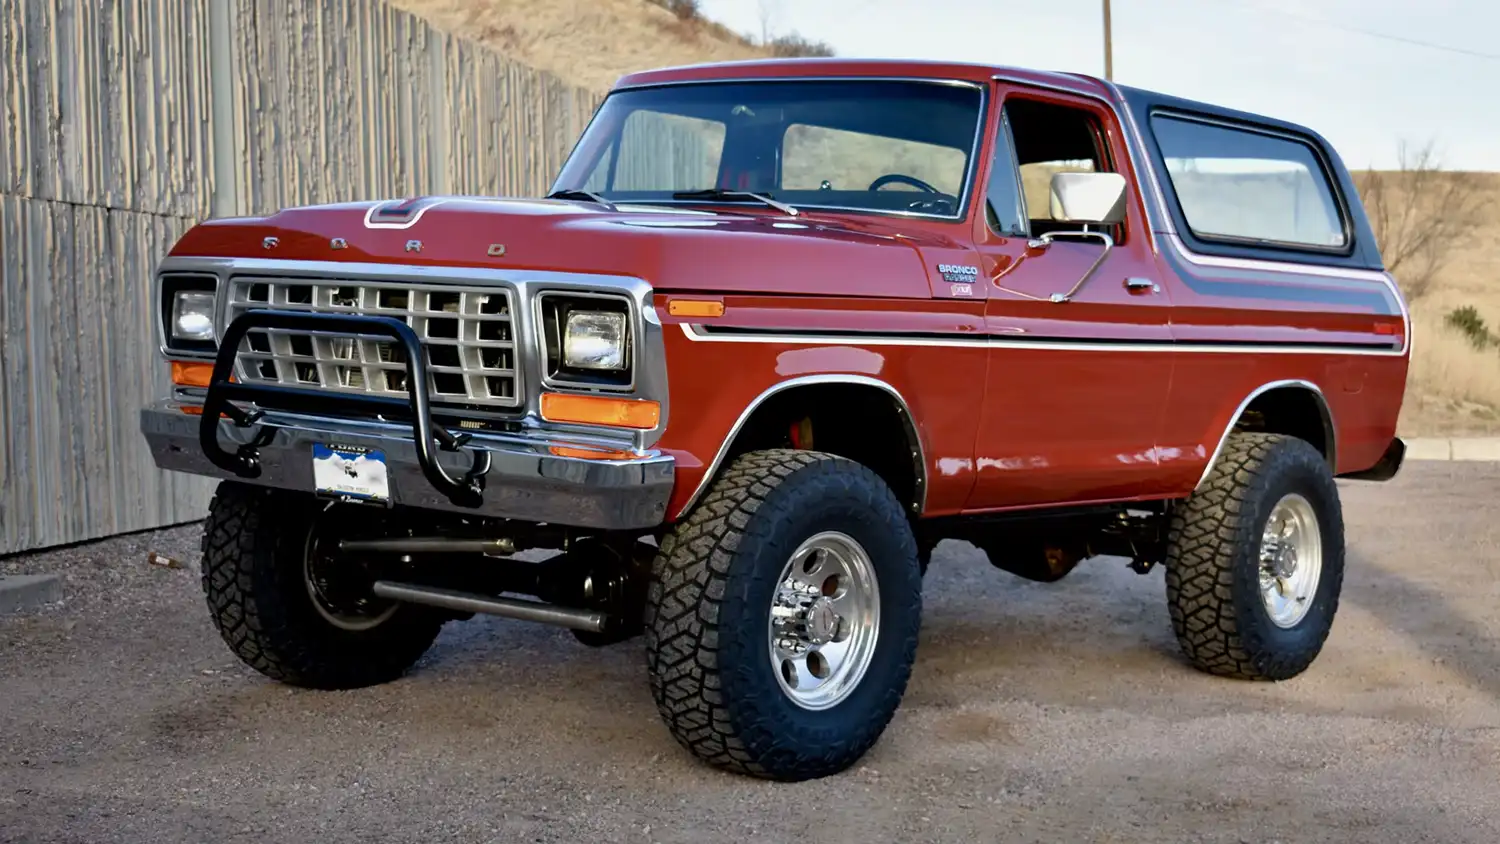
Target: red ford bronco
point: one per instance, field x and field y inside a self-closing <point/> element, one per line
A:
<point x="780" y="328"/>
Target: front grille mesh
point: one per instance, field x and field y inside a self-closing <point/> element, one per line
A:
<point x="467" y="334"/>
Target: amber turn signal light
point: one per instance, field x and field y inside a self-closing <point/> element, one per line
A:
<point x="695" y="308"/>
<point x="191" y="374"/>
<point x="589" y="453"/>
<point x="601" y="410"/>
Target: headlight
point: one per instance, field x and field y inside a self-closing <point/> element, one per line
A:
<point x="193" y="315"/>
<point x="594" y="340"/>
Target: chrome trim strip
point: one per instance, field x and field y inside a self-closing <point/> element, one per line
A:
<point x="919" y="456"/>
<point x="1270" y="266"/>
<point x="694" y="333"/>
<point x="370" y="214"/>
<point x="1330" y="431"/>
<point x="721" y="80"/>
<point x="1175" y="243"/>
<point x="546" y="437"/>
<point x="697" y="335"/>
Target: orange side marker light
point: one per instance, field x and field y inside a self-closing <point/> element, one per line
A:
<point x="695" y="308"/>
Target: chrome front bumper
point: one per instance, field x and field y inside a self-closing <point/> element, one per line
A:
<point x="526" y="481"/>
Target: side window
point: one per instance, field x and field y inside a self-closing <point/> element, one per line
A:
<point x="1003" y="207"/>
<point x="1051" y="139"/>
<point x="1239" y="185"/>
<point x="666" y="152"/>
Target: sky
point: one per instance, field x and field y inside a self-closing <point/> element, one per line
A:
<point x="1346" y="68"/>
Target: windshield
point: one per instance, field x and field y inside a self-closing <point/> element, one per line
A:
<point x="866" y="145"/>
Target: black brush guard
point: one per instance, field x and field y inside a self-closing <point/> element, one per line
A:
<point x="245" y="460"/>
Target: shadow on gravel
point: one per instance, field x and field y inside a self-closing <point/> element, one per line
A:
<point x="1423" y="614"/>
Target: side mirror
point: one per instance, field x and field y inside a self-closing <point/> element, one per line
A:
<point x="1088" y="198"/>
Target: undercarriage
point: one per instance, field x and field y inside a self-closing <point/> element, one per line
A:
<point x="593" y="584"/>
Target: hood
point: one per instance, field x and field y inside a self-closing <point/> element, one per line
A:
<point x="673" y="249"/>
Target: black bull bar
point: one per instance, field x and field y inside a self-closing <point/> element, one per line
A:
<point x="467" y="491"/>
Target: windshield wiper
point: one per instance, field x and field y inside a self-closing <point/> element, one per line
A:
<point x="586" y="195"/>
<point x="719" y="193"/>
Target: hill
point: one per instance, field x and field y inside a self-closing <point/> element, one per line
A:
<point x="590" y="43"/>
<point x="1454" y="388"/>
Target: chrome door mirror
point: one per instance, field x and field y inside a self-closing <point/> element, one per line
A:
<point x="1088" y="198"/>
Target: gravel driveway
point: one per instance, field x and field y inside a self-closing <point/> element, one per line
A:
<point x="1036" y="713"/>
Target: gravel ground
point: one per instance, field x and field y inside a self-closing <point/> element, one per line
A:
<point x="1036" y="713"/>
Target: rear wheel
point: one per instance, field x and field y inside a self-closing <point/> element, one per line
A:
<point x="782" y="616"/>
<point x="292" y="608"/>
<point x="1255" y="560"/>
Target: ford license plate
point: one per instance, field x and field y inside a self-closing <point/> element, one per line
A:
<point x="351" y="472"/>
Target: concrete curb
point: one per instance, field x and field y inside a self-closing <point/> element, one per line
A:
<point x="26" y="591"/>
<point x="1453" y="448"/>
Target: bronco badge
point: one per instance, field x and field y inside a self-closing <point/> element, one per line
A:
<point x="958" y="273"/>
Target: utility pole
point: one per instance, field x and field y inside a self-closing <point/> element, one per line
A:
<point x="1109" y="60"/>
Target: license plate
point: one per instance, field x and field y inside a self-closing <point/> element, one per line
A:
<point x="350" y="472"/>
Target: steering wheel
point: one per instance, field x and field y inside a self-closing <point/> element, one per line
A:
<point x="893" y="178"/>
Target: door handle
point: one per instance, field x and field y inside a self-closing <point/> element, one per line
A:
<point x="1142" y="285"/>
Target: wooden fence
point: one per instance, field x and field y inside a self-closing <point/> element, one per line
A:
<point x="126" y="121"/>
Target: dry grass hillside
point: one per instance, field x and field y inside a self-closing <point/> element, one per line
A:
<point x="590" y="43"/>
<point x="1454" y="387"/>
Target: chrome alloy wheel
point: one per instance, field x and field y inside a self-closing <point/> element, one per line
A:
<point x="1291" y="560"/>
<point x="824" y="621"/>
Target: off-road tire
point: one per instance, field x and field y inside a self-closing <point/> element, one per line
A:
<point x="707" y="615"/>
<point x="253" y="546"/>
<point x="1213" y="560"/>
<point x="925" y="549"/>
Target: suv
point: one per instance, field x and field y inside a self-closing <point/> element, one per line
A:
<point x="780" y="328"/>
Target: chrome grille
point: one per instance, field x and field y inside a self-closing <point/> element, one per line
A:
<point x="467" y="335"/>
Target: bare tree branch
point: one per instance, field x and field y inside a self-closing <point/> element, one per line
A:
<point x="1419" y="213"/>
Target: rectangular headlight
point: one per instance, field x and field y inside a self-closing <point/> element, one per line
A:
<point x="193" y="315"/>
<point x="594" y="340"/>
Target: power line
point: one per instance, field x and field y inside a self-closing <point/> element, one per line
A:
<point x="1399" y="39"/>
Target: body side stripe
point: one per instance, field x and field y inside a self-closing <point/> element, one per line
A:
<point x="703" y="334"/>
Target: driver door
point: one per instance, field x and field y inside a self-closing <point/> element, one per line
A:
<point x="1075" y="393"/>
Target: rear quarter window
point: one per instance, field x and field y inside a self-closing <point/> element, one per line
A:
<point x="1250" y="188"/>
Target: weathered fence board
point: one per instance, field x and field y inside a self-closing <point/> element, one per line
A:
<point x="78" y="359"/>
<point x="107" y="154"/>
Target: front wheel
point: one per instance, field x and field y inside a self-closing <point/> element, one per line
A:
<point x="1255" y="560"/>
<point x="782" y="616"/>
<point x="292" y="608"/>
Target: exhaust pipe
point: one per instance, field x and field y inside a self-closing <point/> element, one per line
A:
<point x="588" y="620"/>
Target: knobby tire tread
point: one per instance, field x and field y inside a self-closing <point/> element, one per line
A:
<point x="1207" y="539"/>
<point x="684" y="630"/>
<point x="251" y="596"/>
